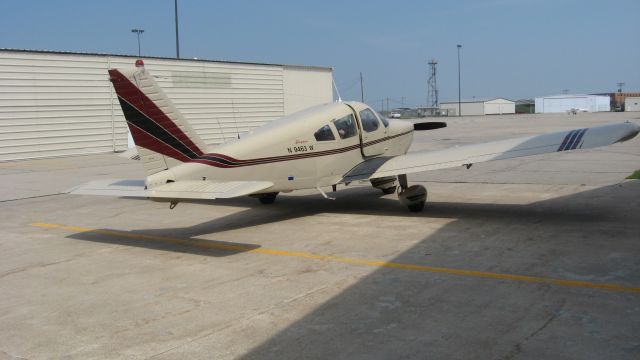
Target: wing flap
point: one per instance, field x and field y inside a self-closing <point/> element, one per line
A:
<point x="196" y="190"/>
<point x="208" y="189"/>
<point x="498" y="150"/>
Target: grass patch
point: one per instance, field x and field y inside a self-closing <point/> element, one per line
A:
<point x="635" y="175"/>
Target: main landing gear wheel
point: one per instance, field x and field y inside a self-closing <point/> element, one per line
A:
<point x="414" y="196"/>
<point x="268" y="198"/>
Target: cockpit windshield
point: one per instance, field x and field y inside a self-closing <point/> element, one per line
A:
<point x="383" y="118"/>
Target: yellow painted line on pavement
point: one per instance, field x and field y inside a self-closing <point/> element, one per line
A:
<point x="206" y="244"/>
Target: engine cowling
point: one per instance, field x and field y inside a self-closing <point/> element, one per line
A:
<point x="414" y="197"/>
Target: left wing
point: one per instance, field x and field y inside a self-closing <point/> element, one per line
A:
<point x="506" y="149"/>
<point x="194" y="190"/>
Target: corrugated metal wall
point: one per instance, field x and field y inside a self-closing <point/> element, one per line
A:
<point x="564" y="103"/>
<point x="54" y="104"/>
<point x="499" y="107"/>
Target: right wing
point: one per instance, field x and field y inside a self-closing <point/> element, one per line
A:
<point x="195" y="190"/>
<point x="506" y="149"/>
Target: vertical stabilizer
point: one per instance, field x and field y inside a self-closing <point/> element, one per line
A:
<point x="162" y="135"/>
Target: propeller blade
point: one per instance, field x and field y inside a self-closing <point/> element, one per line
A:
<point x="432" y="125"/>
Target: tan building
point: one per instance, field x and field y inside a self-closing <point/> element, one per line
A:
<point x="56" y="104"/>
<point x="494" y="106"/>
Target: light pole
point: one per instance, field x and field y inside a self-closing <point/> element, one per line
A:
<point x="139" y="32"/>
<point x="175" y="3"/>
<point x="459" y="97"/>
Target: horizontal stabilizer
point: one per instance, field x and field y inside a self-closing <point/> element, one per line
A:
<point x="195" y="190"/>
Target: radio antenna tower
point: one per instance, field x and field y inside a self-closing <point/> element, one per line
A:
<point x="432" y="85"/>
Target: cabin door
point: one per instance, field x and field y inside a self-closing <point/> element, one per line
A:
<point x="372" y="133"/>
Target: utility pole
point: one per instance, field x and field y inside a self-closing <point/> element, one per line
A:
<point x="175" y="3"/>
<point x="459" y="92"/>
<point x="387" y="104"/>
<point x="361" y="89"/>
<point x="620" y="85"/>
<point x="139" y="32"/>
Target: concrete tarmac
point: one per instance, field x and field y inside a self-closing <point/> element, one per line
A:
<point x="531" y="258"/>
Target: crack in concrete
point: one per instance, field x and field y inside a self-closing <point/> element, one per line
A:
<point x="33" y="197"/>
<point x="4" y="354"/>
<point x="518" y="347"/>
<point x="33" y="266"/>
<point x="242" y="321"/>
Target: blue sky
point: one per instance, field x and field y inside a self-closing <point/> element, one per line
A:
<point x="511" y="48"/>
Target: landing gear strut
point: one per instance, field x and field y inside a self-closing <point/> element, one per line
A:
<point x="414" y="196"/>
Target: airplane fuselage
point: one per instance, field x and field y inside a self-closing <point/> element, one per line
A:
<point x="309" y="149"/>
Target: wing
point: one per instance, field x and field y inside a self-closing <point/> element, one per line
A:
<point x="506" y="149"/>
<point x="196" y="190"/>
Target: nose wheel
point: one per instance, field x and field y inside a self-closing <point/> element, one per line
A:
<point x="414" y="196"/>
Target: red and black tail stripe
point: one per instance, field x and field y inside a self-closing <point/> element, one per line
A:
<point x="150" y="127"/>
<point x="572" y="140"/>
<point x="152" y="136"/>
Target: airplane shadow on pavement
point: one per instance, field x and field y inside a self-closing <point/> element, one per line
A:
<point x="354" y="200"/>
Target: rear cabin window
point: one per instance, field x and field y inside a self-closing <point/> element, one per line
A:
<point x="346" y="126"/>
<point x="324" y="134"/>
<point x="369" y="121"/>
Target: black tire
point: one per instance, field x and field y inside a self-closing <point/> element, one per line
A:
<point x="268" y="198"/>
<point x="389" y="190"/>
<point x="416" y="207"/>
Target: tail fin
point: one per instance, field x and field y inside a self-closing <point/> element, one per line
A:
<point x="162" y="135"/>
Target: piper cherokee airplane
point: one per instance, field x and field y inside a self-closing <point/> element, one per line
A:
<point x="323" y="146"/>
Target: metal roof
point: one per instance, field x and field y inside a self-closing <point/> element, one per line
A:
<point x="568" y="96"/>
<point x="474" y="100"/>
<point x="162" y="58"/>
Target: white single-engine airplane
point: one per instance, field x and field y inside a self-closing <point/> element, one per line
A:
<point x="322" y="146"/>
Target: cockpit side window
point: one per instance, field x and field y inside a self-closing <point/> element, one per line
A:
<point x="346" y="126"/>
<point x="369" y="121"/>
<point x="324" y="134"/>
<point x="384" y="119"/>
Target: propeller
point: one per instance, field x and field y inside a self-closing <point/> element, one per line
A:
<point x="432" y="125"/>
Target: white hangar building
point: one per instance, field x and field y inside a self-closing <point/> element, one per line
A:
<point x="632" y="103"/>
<point x="566" y="102"/>
<point x="57" y="104"/>
<point x="493" y="106"/>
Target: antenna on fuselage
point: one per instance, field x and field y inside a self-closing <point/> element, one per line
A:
<point x="333" y="81"/>
<point x="235" y="122"/>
